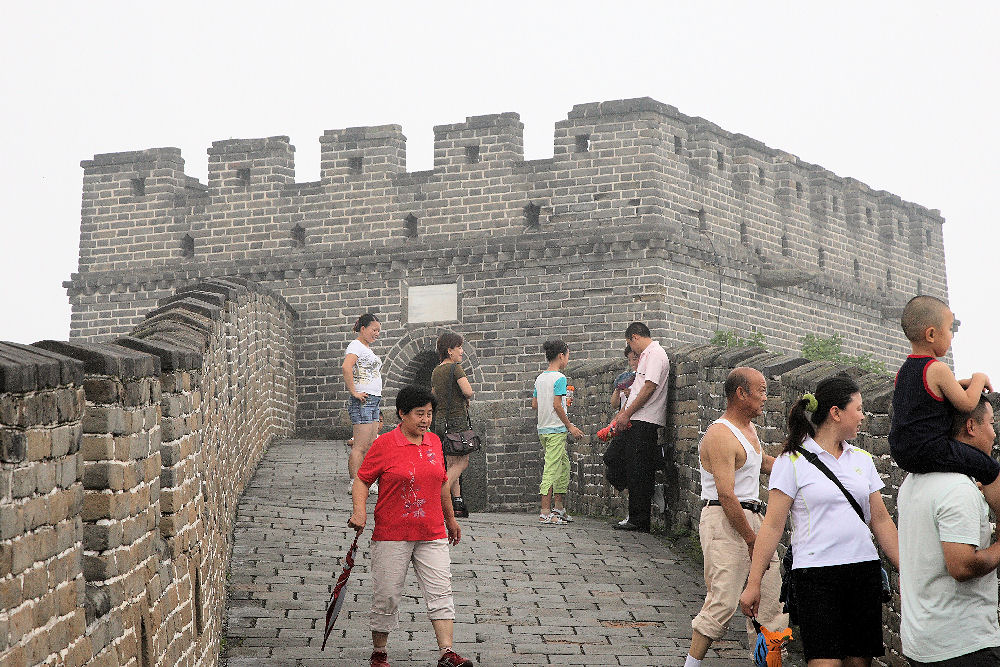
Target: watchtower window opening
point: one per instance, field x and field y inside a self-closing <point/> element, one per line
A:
<point x="857" y="270"/>
<point x="531" y="214"/>
<point x="299" y="235"/>
<point x="869" y="215"/>
<point x="720" y="161"/>
<point x="582" y="143"/>
<point x="743" y="232"/>
<point x="187" y="246"/>
<point x="472" y="154"/>
<point x="821" y="258"/>
<point x="798" y="189"/>
<point x="243" y="175"/>
<point x="901" y="227"/>
<point x="836" y="204"/>
<point x="888" y="279"/>
<point x="920" y="286"/>
<point x="760" y="174"/>
<point x="785" y="250"/>
<point x="199" y="614"/>
<point x="411" y="225"/>
<point x="144" y="647"/>
<point x="927" y="236"/>
<point x="139" y="187"/>
<point x="678" y="145"/>
<point x="702" y="220"/>
<point x="355" y="164"/>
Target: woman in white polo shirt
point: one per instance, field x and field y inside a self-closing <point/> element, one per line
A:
<point x="836" y="571"/>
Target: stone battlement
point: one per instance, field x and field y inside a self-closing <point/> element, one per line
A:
<point x="642" y="213"/>
<point x="252" y="206"/>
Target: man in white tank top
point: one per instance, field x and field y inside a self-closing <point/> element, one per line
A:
<point x="731" y="461"/>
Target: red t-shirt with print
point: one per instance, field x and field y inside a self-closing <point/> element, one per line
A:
<point x="409" y="487"/>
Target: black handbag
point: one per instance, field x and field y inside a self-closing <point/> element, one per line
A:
<point x="787" y="594"/>
<point x="616" y="462"/>
<point x="787" y="582"/>
<point x="459" y="443"/>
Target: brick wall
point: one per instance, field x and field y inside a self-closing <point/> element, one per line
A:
<point x="41" y="495"/>
<point x="135" y="453"/>
<point x="643" y="213"/>
<point x="695" y="401"/>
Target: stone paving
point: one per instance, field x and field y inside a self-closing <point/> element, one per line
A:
<point x="525" y="594"/>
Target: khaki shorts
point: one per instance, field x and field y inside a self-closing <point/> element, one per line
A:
<point x="727" y="564"/>
<point x="431" y="563"/>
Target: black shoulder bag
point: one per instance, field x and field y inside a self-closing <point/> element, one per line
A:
<point x="787" y="587"/>
<point x="458" y="443"/>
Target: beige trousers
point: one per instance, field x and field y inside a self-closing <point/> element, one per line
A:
<point x="432" y="565"/>
<point x="727" y="564"/>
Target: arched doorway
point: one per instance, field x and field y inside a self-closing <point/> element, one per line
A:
<point x="413" y="358"/>
<point x="418" y="370"/>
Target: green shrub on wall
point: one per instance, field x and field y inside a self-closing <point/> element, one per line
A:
<point x="817" y="348"/>
<point x="732" y="339"/>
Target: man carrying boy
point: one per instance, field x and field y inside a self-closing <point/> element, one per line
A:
<point x="549" y="401"/>
<point x="647" y="411"/>
<point x="926" y="398"/>
<point x="948" y="568"/>
<point x="731" y="460"/>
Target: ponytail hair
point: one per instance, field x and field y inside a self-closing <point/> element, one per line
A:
<point x="810" y="411"/>
<point x="364" y="321"/>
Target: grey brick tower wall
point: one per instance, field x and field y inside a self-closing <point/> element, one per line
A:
<point x="642" y="213"/>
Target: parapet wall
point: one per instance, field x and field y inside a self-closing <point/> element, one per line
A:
<point x="696" y="400"/>
<point x="122" y="463"/>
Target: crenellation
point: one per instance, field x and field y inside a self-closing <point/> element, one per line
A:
<point x="479" y="144"/>
<point x="238" y="167"/>
<point x="361" y="152"/>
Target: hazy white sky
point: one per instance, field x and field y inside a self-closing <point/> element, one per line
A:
<point x="900" y="95"/>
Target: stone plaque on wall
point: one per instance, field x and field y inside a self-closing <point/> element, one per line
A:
<point x="432" y="303"/>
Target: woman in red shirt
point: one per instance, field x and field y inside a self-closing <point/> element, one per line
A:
<point x="414" y="523"/>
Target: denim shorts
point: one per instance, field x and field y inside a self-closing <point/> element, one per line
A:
<point x="364" y="413"/>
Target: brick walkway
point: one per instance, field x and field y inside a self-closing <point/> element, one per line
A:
<point x="581" y="594"/>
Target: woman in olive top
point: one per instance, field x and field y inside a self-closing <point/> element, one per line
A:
<point x="453" y="393"/>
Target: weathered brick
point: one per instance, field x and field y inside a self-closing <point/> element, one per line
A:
<point x="104" y="419"/>
<point x="13" y="445"/>
<point x="97" y="447"/>
<point x="103" y="390"/>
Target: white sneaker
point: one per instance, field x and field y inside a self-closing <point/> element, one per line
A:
<point x="373" y="490"/>
<point x="552" y="519"/>
<point x="563" y="514"/>
<point x="623" y="521"/>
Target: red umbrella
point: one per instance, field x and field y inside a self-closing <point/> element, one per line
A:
<point x="337" y="599"/>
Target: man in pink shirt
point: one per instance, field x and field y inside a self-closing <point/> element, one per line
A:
<point x="646" y="409"/>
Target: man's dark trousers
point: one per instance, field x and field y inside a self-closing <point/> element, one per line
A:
<point x="645" y="458"/>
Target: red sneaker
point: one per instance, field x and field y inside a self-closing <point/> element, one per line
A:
<point x="452" y="659"/>
<point x="380" y="659"/>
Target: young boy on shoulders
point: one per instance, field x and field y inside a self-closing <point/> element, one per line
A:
<point x="549" y="402"/>
<point x="926" y="398"/>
